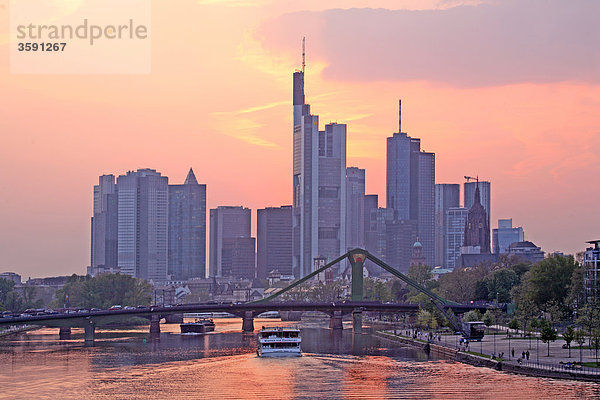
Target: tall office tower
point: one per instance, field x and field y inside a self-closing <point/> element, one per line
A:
<point x="319" y="186"/>
<point x="477" y="230"/>
<point x="410" y="187"/>
<point x="226" y="222"/>
<point x="187" y="229"/>
<point x="456" y="219"/>
<point x="104" y="226"/>
<point x="355" y="207"/>
<point x="143" y="223"/>
<point x="506" y="235"/>
<point x="274" y="241"/>
<point x="238" y="257"/>
<point x="400" y="238"/>
<point x="484" y="196"/>
<point x="446" y="195"/>
<point x="377" y="239"/>
<point x="371" y="203"/>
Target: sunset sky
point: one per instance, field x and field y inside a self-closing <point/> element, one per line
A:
<point x="506" y="90"/>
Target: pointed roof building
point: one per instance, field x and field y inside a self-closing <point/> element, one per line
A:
<point x="477" y="231"/>
<point x="191" y="178"/>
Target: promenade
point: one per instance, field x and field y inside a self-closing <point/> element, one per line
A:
<point x="509" y="347"/>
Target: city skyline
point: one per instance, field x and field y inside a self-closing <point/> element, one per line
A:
<point x="530" y="131"/>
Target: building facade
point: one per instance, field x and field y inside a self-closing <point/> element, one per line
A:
<point x="104" y="226"/>
<point x="477" y="230"/>
<point x="274" y="241"/>
<point x="591" y="277"/>
<point x="484" y="197"/>
<point x="505" y="235"/>
<point x="355" y="207"/>
<point x="187" y="230"/>
<point x="143" y="215"/>
<point x="319" y="185"/>
<point x="456" y="219"/>
<point x="410" y="188"/>
<point x="226" y="222"/>
<point x="446" y="196"/>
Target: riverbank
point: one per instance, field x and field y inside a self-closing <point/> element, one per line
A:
<point x="13" y="330"/>
<point x="525" y="368"/>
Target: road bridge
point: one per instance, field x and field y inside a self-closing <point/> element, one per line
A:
<point x="248" y="311"/>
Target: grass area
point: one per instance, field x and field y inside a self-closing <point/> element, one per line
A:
<point x="474" y="353"/>
<point x="590" y="364"/>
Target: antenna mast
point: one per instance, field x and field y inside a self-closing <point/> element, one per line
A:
<point x="400" y="116"/>
<point x="303" y="53"/>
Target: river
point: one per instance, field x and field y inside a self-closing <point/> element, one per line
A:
<point x="126" y="364"/>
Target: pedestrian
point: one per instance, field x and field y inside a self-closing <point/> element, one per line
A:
<point x="527" y="354"/>
<point x="523" y="355"/>
<point x="513" y="351"/>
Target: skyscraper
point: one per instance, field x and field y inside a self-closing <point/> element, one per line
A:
<point x="226" y="222"/>
<point x="506" y="235"/>
<point x="355" y="207"/>
<point x="446" y="196"/>
<point x="456" y="219"/>
<point x="410" y="187"/>
<point x="238" y="257"/>
<point x="319" y="185"/>
<point x="274" y="241"/>
<point x="104" y="226"/>
<point x="143" y="215"/>
<point x="187" y="229"/>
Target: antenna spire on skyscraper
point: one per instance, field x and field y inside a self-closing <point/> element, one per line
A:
<point x="399" y="115"/>
<point x="303" y="53"/>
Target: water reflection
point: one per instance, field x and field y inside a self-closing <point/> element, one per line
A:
<point x="223" y="364"/>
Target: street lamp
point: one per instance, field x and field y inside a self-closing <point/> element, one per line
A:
<point x="509" y="345"/>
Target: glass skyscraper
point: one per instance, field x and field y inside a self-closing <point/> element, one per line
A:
<point x="187" y="229"/>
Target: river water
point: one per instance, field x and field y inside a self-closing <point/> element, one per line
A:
<point x="126" y="364"/>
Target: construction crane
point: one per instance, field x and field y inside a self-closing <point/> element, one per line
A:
<point x="470" y="178"/>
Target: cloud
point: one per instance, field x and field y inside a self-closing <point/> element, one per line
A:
<point x="489" y="44"/>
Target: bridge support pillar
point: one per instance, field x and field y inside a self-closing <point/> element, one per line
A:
<point x="90" y="331"/>
<point x="357" y="321"/>
<point x="174" y="318"/>
<point x="248" y="322"/>
<point x="357" y="259"/>
<point x="155" y="326"/>
<point x="64" y="332"/>
<point x="335" y="321"/>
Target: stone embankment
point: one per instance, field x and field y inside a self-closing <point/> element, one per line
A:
<point x="545" y="371"/>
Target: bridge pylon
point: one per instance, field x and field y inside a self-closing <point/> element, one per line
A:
<point x="357" y="258"/>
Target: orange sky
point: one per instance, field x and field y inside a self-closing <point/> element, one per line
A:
<point x="520" y="113"/>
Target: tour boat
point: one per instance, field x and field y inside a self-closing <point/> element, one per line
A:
<point x="279" y="342"/>
<point x="199" y="326"/>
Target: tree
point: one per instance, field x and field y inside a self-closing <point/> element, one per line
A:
<point x="514" y="324"/>
<point x="420" y="274"/>
<point x="472" y="316"/>
<point x="595" y="339"/>
<point x="488" y="318"/>
<point x="423" y="318"/>
<point x="548" y="334"/>
<point x="6" y="287"/>
<point x="568" y="336"/>
<point x="580" y="340"/>
<point x="104" y="291"/>
<point x="500" y="283"/>
<point x="548" y="281"/>
<point x="460" y="284"/>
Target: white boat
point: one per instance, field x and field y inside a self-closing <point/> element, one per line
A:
<point x="279" y="342"/>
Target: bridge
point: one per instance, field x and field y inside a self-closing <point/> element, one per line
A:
<point x="248" y="311"/>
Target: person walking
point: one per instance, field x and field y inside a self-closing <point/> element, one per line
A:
<point x="527" y="355"/>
